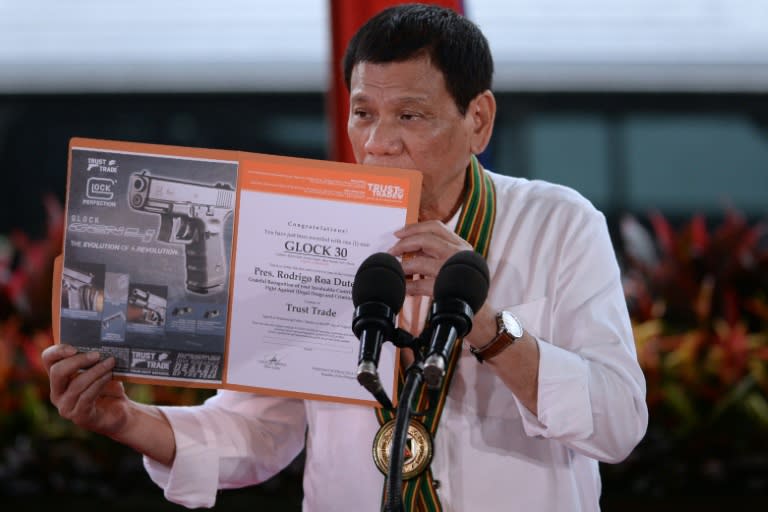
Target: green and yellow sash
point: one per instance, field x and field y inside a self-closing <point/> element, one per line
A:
<point x="475" y="225"/>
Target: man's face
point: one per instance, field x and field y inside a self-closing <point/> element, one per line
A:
<point x="401" y="115"/>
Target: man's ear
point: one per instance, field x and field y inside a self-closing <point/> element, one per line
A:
<point x="481" y="114"/>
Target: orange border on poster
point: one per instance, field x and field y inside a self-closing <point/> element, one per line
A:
<point x="397" y="188"/>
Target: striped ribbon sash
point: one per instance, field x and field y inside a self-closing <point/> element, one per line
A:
<point x="475" y="225"/>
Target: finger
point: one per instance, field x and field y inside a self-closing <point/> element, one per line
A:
<point x="429" y="262"/>
<point x="71" y="375"/>
<point x="55" y="353"/>
<point x="429" y="229"/>
<point x="436" y="230"/>
<point x="422" y="265"/>
<point x="410" y="245"/>
<point x="433" y="243"/>
<point x="83" y="390"/>
<point x="84" y="405"/>
<point x="114" y="388"/>
<point x="420" y="287"/>
<point x="62" y="371"/>
<point x="430" y="226"/>
<point x="429" y="244"/>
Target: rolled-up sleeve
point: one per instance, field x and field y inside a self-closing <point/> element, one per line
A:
<point x="233" y="440"/>
<point x="591" y="389"/>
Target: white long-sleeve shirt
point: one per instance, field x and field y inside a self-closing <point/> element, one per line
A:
<point x="552" y="264"/>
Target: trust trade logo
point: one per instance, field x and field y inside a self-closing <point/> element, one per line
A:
<point x="102" y="165"/>
<point x="151" y="360"/>
<point x="380" y="191"/>
<point x="100" y="183"/>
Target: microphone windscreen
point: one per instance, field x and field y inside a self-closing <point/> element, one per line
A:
<point x="463" y="276"/>
<point x="380" y="278"/>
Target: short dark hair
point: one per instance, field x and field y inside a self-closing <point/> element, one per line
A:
<point x="454" y="44"/>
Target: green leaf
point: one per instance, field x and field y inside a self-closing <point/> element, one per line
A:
<point x="679" y="401"/>
<point x="736" y="395"/>
<point x="756" y="404"/>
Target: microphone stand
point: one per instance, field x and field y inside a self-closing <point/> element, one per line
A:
<point x="394" y="490"/>
<point x="413" y="379"/>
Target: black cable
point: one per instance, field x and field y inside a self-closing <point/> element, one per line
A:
<point x="394" y="486"/>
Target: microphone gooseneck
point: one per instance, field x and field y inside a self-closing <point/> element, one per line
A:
<point x="461" y="287"/>
<point x="378" y="293"/>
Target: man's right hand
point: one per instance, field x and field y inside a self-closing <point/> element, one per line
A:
<point x="83" y="391"/>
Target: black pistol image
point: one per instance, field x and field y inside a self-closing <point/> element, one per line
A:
<point x="191" y="214"/>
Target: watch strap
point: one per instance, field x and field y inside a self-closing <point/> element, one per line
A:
<point x="494" y="347"/>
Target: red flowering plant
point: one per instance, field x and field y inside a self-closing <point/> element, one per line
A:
<point x="39" y="450"/>
<point x="25" y="318"/>
<point x="698" y="299"/>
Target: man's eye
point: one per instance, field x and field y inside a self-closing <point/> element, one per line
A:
<point x="409" y="116"/>
<point x="361" y="113"/>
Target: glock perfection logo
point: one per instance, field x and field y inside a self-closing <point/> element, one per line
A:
<point x="100" y="188"/>
<point x="380" y="191"/>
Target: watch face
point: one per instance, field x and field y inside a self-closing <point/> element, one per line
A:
<point x="511" y="324"/>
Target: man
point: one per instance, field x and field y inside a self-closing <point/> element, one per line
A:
<point x="528" y="414"/>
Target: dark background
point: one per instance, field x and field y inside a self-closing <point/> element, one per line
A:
<point x="679" y="153"/>
<point x="676" y="153"/>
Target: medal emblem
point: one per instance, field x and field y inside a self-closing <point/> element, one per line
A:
<point x="418" y="448"/>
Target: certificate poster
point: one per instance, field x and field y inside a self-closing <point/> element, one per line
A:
<point x="146" y="259"/>
<point x="224" y="269"/>
<point x="308" y="231"/>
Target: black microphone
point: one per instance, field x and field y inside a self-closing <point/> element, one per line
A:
<point x="461" y="287"/>
<point x="378" y="293"/>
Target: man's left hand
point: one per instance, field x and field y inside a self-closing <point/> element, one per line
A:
<point x="424" y="248"/>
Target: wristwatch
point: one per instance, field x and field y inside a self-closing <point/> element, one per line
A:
<point x="509" y="330"/>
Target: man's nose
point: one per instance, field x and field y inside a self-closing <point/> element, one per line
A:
<point x="383" y="139"/>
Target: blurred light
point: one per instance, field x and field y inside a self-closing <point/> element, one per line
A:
<point x="259" y="45"/>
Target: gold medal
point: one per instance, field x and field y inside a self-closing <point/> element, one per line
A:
<point x="418" y="448"/>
